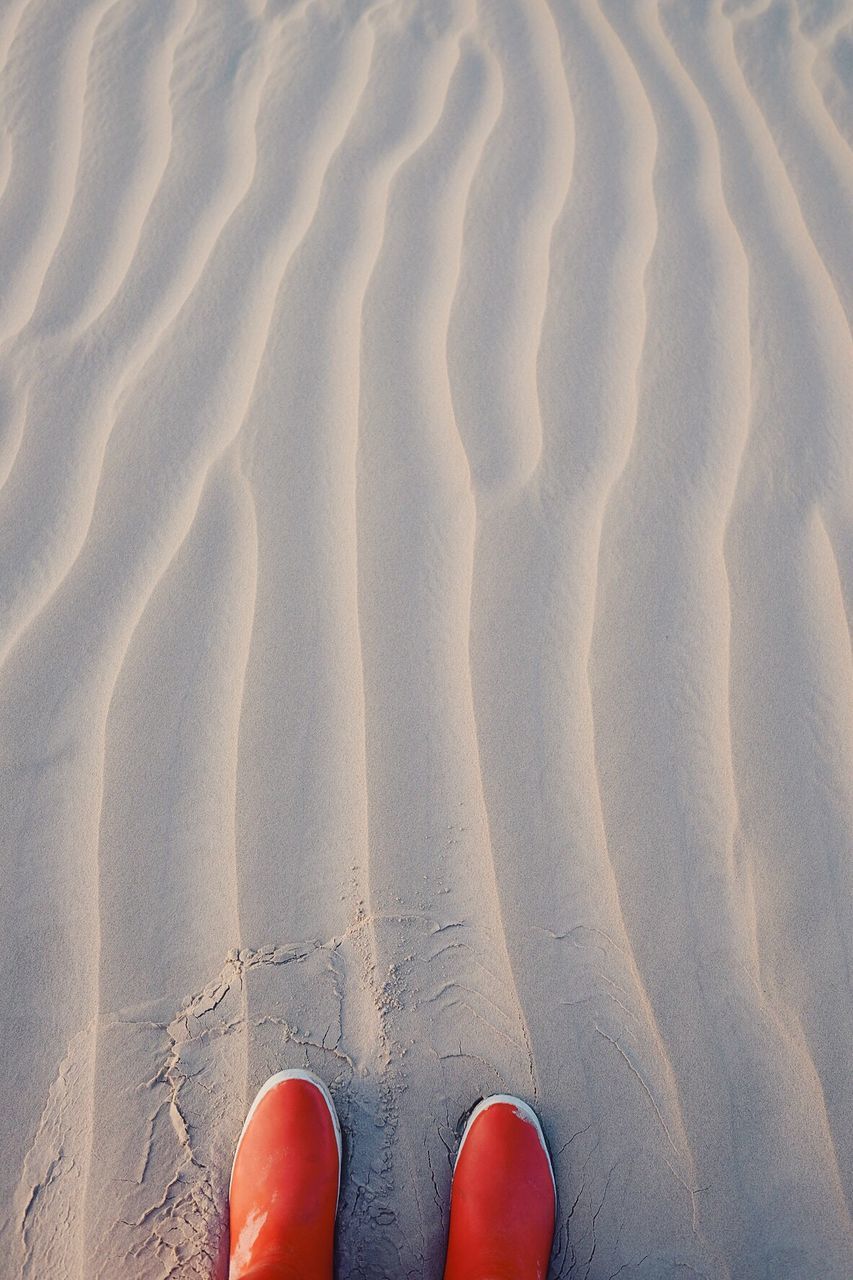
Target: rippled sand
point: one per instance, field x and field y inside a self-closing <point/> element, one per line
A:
<point x="426" y="547"/>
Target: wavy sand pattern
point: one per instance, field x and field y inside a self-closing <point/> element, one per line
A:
<point x="426" y="560"/>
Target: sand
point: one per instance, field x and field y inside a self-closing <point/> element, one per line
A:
<point x="426" y="556"/>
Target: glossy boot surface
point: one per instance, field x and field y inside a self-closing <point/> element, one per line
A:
<point x="284" y="1184"/>
<point x="502" y="1200"/>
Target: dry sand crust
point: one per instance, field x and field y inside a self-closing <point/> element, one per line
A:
<point x="426" y="549"/>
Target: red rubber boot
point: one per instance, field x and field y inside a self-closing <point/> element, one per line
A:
<point x="285" y="1182"/>
<point x="503" y="1198"/>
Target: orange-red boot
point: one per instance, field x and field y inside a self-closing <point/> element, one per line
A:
<point x="503" y="1197"/>
<point x="285" y="1183"/>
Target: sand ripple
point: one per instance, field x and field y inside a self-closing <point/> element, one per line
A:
<point x="426" y="563"/>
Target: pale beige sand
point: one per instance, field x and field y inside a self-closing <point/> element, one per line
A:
<point x="426" y="549"/>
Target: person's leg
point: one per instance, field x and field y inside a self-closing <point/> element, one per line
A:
<point x="285" y="1181"/>
<point x="502" y="1198"/>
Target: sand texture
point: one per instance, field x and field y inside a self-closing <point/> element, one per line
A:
<point x="426" y="557"/>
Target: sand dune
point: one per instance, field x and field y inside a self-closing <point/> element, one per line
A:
<point x="426" y="563"/>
